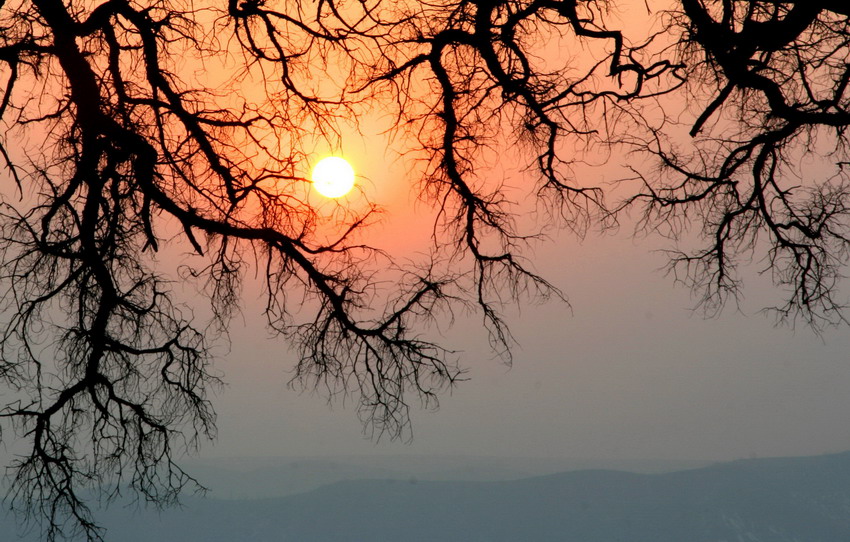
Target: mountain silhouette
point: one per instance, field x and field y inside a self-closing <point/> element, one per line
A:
<point x="757" y="500"/>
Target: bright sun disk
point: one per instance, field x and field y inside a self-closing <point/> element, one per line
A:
<point x="333" y="177"/>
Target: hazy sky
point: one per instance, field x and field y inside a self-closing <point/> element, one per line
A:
<point x="630" y="373"/>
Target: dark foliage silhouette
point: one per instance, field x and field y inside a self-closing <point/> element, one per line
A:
<point x="134" y="127"/>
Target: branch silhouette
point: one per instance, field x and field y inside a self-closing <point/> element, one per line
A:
<point x="134" y="127"/>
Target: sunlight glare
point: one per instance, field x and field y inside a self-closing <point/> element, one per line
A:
<point x="333" y="177"/>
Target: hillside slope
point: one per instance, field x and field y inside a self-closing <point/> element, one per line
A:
<point x="760" y="500"/>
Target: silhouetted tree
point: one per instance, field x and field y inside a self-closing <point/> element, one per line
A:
<point x="764" y="174"/>
<point x="133" y="127"/>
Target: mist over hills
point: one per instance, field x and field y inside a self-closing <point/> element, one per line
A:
<point x="254" y="478"/>
<point x="758" y="500"/>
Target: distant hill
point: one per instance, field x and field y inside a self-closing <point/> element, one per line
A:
<point x="758" y="500"/>
<point x="259" y="478"/>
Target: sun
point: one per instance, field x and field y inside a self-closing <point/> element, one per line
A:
<point x="333" y="177"/>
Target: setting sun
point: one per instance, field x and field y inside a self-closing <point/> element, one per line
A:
<point x="333" y="177"/>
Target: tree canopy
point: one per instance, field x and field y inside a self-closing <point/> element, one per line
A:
<point x="135" y="127"/>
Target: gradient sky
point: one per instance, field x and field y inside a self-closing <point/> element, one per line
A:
<point x="630" y="373"/>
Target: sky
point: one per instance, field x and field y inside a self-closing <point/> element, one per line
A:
<point x="627" y="371"/>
